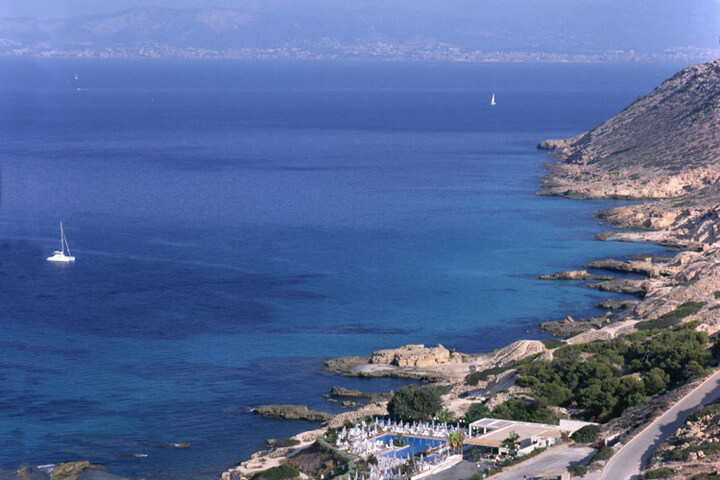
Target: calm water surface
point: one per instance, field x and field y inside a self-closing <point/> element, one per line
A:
<point x="235" y="224"/>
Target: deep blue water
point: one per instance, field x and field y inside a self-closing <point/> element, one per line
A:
<point x="235" y="224"/>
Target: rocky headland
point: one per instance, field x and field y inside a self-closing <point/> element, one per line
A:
<point x="662" y="146"/>
<point x="434" y="364"/>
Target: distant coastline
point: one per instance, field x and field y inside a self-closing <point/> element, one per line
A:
<point x="366" y="52"/>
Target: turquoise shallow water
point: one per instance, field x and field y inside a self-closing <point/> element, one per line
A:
<point x="236" y="224"/>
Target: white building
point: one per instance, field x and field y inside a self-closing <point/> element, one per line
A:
<point x="489" y="433"/>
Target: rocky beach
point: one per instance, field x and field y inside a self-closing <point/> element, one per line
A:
<point x="664" y="147"/>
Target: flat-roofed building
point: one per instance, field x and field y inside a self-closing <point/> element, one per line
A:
<point x="490" y="433"/>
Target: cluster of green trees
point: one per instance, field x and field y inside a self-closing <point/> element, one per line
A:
<point x="587" y="434"/>
<point x="515" y="409"/>
<point x="602" y="378"/>
<point x="415" y="403"/>
<point x="594" y="376"/>
<point x="662" y="472"/>
<point x="281" y="472"/>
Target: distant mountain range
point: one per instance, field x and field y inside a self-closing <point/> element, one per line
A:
<point x="328" y="34"/>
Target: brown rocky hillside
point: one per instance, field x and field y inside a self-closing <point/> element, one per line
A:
<point x="663" y="145"/>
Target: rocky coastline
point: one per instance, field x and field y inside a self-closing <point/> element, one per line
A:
<point x="662" y="147"/>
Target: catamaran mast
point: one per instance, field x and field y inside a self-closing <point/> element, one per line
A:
<point x="63" y="241"/>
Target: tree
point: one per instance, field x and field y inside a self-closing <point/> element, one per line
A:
<point x="514" y="409"/>
<point x="413" y="403"/>
<point x="476" y="412"/>
<point x="656" y="381"/>
<point x="445" y="416"/>
<point x="630" y="392"/>
<point x="587" y="434"/>
<point x="510" y="443"/>
<point x="455" y="441"/>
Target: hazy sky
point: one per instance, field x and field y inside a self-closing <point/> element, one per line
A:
<point x="650" y="25"/>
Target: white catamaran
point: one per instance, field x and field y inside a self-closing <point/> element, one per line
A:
<point x="492" y="100"/>
<point x="59" y="255"/>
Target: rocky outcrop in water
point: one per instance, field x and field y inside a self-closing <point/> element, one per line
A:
<point x="645" y="267"/>
<point x="625" y="285"/>
<point x="293" y="412"/>
<point x="575" y="275"/>
<point x="415" y="356"/>
<point x="349" y="393"/>
<point x="570" y="327"/>
<point x="615" y="304"/>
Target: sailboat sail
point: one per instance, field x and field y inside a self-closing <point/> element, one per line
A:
<point x="492" y="100"/>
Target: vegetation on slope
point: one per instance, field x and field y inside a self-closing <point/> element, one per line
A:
<point x="605" y="377"/>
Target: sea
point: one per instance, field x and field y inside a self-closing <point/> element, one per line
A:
<point x="235" y="224"/>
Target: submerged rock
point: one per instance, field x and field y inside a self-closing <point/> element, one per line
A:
<point x="344" y="364"/>
<point x="71" y="470"/>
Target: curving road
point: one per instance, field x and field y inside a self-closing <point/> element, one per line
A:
<point x="629" y="460"/>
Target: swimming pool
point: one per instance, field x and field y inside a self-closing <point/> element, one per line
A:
<point x="414" y="445"/>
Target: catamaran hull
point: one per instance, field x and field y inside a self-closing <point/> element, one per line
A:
<point x="61" y="259"/>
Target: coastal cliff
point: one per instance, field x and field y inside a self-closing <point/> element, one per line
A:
<point x="663" y="145"/>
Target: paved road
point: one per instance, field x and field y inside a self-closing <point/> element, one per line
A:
<point x="629" y="460"/>
<point x="461" y="471"/>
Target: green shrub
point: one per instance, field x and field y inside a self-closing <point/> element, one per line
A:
<point x="602" y="454"/>
<point x="553" y="343"/>
<point x="663" y="472"/>
<point x="715" y="350"/>
<point x="671" y="318"/>
<point x="281" y="472"/>
<point x="288" y="442"/>
<point x="482" y="375"/>
<point x="707" y="476"/>
<point x="716" y="294"/>
<point x="412" y="403"/>
<point x="577" y="470"/>
<point x="707" y="448"/>
<point x="587" y="434"/>
<point x="712" y="409"/>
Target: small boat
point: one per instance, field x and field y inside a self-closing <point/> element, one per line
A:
<point x="492" y="100"/>
<point x="59" y="255"/>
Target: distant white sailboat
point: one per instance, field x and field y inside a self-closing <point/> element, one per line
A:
<point x="59" y="255"/>
<point x="492" y="100"/>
